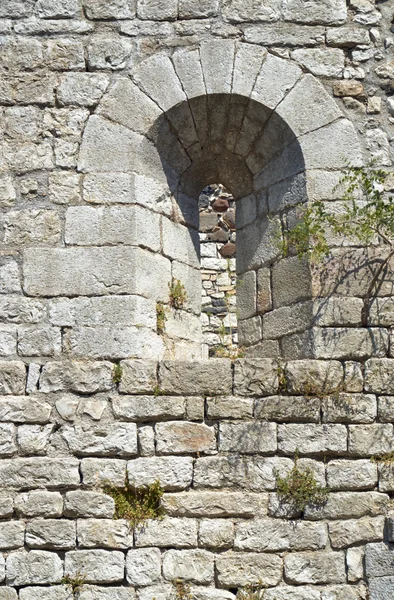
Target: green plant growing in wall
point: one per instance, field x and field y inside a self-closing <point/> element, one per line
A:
<point x="74" y="583"/>
<point x="161" y="318"/>
<point x="177" y="293"/>
<point x="251" y="592"/>
<point x="182" y="590"/>
<point x="117" y="373"/>
<point x="299" y="488"/>
<point x="367" y="216"/>
<point x="136" y="504"/>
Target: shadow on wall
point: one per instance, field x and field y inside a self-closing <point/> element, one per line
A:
<point x="256" y="155"/>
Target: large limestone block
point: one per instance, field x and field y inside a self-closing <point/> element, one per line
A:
<point x="326" y="12"/>
<point x="116" y="439"/>
<point x="216" y="533"/>
<point x="293" y="593"/>
<point x="284" y="34"/>
<point x="23" y="227"/>
<point x="98" y="471"/>
<point x="379" y="560"/>
<point x="39" y="504"/>
<point x="181" y="243"/>
<point x="211" y="377"/>
<point x="138" y="377"/>
<point x="248" y="61"/>
<point x="350" y="343"/>
<point x="76" y="376"/>
<point x="158" y="79"/>
<point x="349" y="505"/>
<point x="177" y="437"/>
<point x="241" y="10"/>
<point x="53" y="534"/>
<point x="305" y="376"/>
<point x="90" y="592"/>
<point x="39" y="472"/>
<point x="312" y="439"/>
<point x="367" y="440"/>
<point x="24" y="409"/>
<point x="196" y="566"/>
<point x="148" y="408"/>
<point x="95" y="271"/>
<point x="14" y="309"/>
<point x="82" y="89"/>
<point x="143" y="566"/>
<point x="352" y="474"/>
<point x="217" y="59"/>
<point x="11" y="594"/>
<point x="287" y="320"/>
<point x="255" y="377"/>
<point x="35" y="567"/>
<point x="12" y="377"/>
<point x="102" y="533"/>
<point x="12" y="535"/>
<point x="288" y="408"/>
<point x="7" y="439"/>
<point x="99" y="566"/>
<point x="361" y="531"/>
<point x="58" y="592"/>
<point x="247" y="438"/>
<point x="174" y="473"/>
<point x="349" y="408"/>
<point x="113" y="9"/>
<point x="169" y="532"/>
<point x="338" y="143"/>
<point x="274" y="535"/>
<point x="316" y="567"/>
<point x="81" y="503"/>
<point x="236" y="569"/>
<point x="381" y="588"/>
<point x="214" y="504"/>
<point x="379" y="375"/>
<point x="232" y="407"/>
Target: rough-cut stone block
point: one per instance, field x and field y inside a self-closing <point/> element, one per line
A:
<point x="290" y="281"/>
<point x="34" y="439"/>
<point x="12" y="377"/>
<point x="379" y="375"/>
<point x="321" y="62"/>
<point x="103" y="533"/>
<point x="148" y="408"/>
<point x="288" y="408"/>
<point x="255" y="377"/>
<point x="97" y="471"/>
<point x="347" y="37"/>
<point x="293" y="593"/>
<point x="76" y="376"/>
<point x="239" y="11"/>
<point x="169" y="532"/>
<point x="351" y="474"/>
<point x="81" y="503"/>
<point x="232" y="407"/>
<point x="114" y="9"/>
<point x="317" y="567"/>
<point x="361" y="531"/>
<point x="275" y="80"/>
<point x="214" y="504"/>
<point x="349" y="408"/>
<point x="99" y="566"/>
<point x="35" y="567"/>
<point x="39" y="341"/>
<point x="350" y="343"/>
<point x="312" y="439"/>
<point x="326" y="12"/>
<point x="53" y="534"/>
<point x="58" y="592"/>
<point x="12" y="535"/>
<point x="196" y="566"/>
<point x="381" y="588"/>
<point x="90" y="592"/>
<point x="313" y="376"/>
<point x="82" y="89"/>
<point x="24" y="409"/>
<point x="379" y="560"/>
<point x="211" y="378"/>
<point x="11" y="594"/>
<point x="39" y="504"/>
<point x="116" y="439"/>
<point x="247" y="438"/>
<point x="138" y="377"/>
<point x="174" y="473"/>
<point x="35" y="472"/>
<point x="143" y="566"/>
<point x="236" y="569"/>
<point x="367" y="440"/>
<point x="216" y="533"/>
<point x="273" y="535"/>
<point x="246" y="295"/>
<point x="349" y="505"/>
<point x="184" y="437"/>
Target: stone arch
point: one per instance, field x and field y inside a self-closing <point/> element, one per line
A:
<point x="233" y="112"/>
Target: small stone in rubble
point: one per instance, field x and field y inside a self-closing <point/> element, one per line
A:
<point x="229" y="219"/>
<point x="228" y="250"/>
<point x="220" y="205"/>
<point x="218" y="236"/>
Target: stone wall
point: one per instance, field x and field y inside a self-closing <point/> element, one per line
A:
<point x="114" y="115"/>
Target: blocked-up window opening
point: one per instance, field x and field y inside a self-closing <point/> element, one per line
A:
<point x="217" y="231"/>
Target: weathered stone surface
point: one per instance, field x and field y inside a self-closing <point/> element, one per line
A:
<point x="347" y="37"/>
<point x="89" y="592"/>
<point x="117" y="439"/>
<point x="24" y="409"/>
<point x="272" y="535"/>
<point x="247" y="438"/>
<point x="169" y="532"/>
<point x="216" y="533"/>
<point x="184" y="437"/>
<point x="312" y="439"/>
<point x="348" y="505"/>
<point x="174" y="473"/>
<point x="143" y="566"/>
<point x="12" y="535"/>
<point x="12" y="377"/>
<point x="82" y="89"/>
<point x="288" y="408"/>
<point x="211" y="377"/>
<point x="379" y="560"/>
<point x="379" y="375"/>
<point x="232" y="407"/>
<point x="367" y="440"/>
<point x="350" y="343"/>
<point x="238" y="11"/>
<point x="99" y="566"/>
<point x="345" y="533"/>
<point x="35" y="472"/>
<point x="380" y="588"/>
<point x="349" y="408"/>
<point x="148" y="408"/>
<point x="326" y="12"/>
<point x="351" y="474"/>
<point x="235" y="569"/>
<point x="39" y="504"/>
<point x="14" y="309"/>
<point x="103" y="533"/>
<point x="138" y="376"/>
<point x="76" y="376"/>
<point x="318" y="567"/>
<point x="96" y="471"/>
<point x="34" y="439"/>
<point x="196" y="566"/>
<point x="214" y="504"/>
<point x="255" y="377"/>
<point x="312" y="376"/>
<point x="35" y="567"/>
<point x="320" y="61"/>
<point x="80" y="503"/>
<point x="53" y="534"/>
<point x="58" y="592"/>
